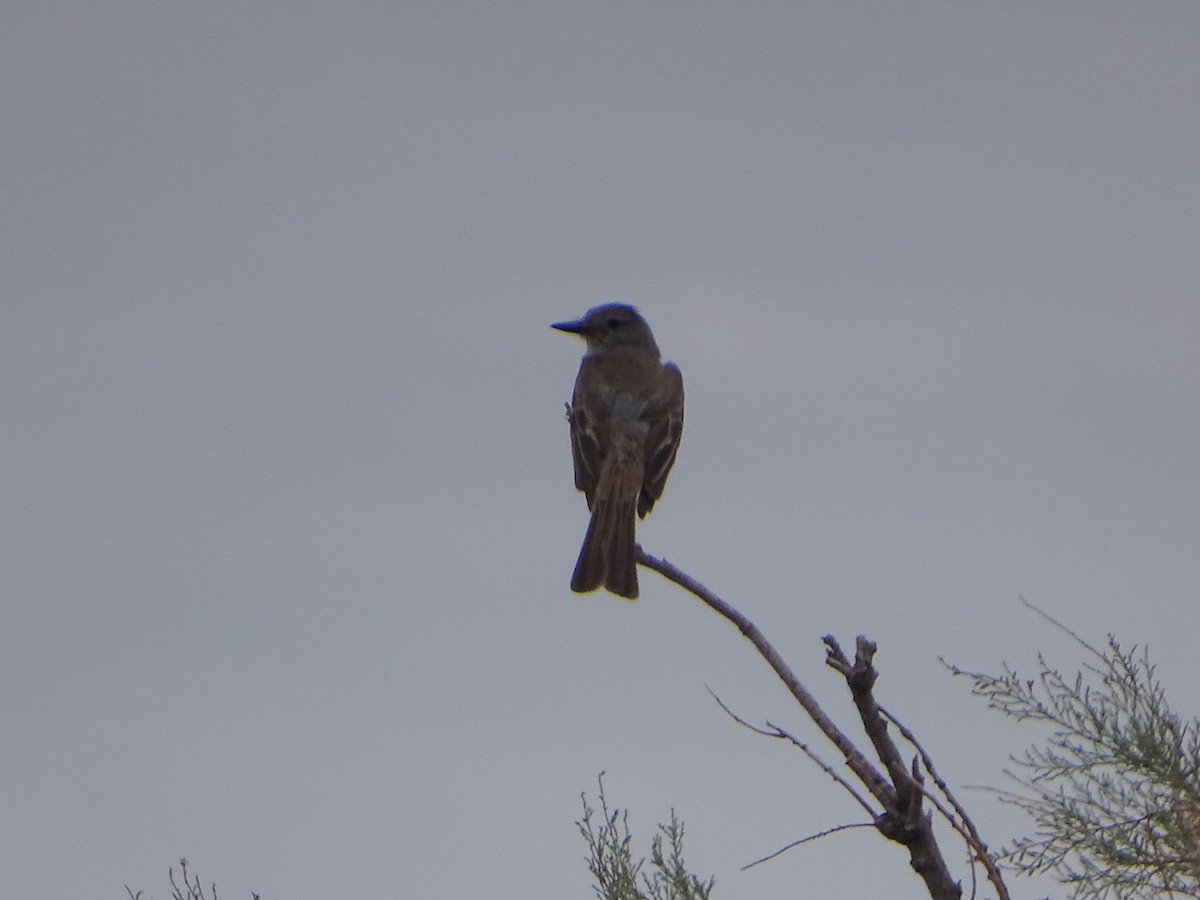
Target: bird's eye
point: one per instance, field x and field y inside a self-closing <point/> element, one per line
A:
<point x="615" y="323"/>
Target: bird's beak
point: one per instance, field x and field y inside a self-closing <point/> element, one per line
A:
<point x="576" y="327"/>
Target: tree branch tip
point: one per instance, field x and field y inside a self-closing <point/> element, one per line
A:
<point x="865" y="648"/>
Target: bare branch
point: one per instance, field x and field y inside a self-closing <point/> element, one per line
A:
<point x="874" y="782"/>
<point x="901" y="793"/>
<point x="962" y="824"/>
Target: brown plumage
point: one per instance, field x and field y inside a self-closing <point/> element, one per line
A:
<point x="626" y="419"/>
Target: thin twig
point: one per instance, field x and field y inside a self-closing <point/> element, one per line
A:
<point x="1060" y="626"/>
<point x="774" y="731"/>
<point x="805" y="840"/>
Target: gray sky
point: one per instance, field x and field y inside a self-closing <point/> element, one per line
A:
<point x="289" y="514"/>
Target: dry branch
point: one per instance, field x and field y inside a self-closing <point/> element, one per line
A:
<point x="902" y="791"/>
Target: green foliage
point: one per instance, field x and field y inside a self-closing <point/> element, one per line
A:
<point x="1114" y="791"/>
<point x="618" y="876"/>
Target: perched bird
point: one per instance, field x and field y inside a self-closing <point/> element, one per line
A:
<point x="626" y="418"/>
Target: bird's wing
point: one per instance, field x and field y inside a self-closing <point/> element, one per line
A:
<point x="586" y="448"/>
<point x="665" y="418"/>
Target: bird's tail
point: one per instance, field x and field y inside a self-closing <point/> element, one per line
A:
<point x="608" y="557"/>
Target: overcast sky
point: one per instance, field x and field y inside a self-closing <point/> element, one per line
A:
<point x="289" y="518"/>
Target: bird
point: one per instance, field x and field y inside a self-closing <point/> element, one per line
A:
<point x="626" y="421"/>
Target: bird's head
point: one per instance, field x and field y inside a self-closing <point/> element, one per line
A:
<point x="611" y="326"/>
